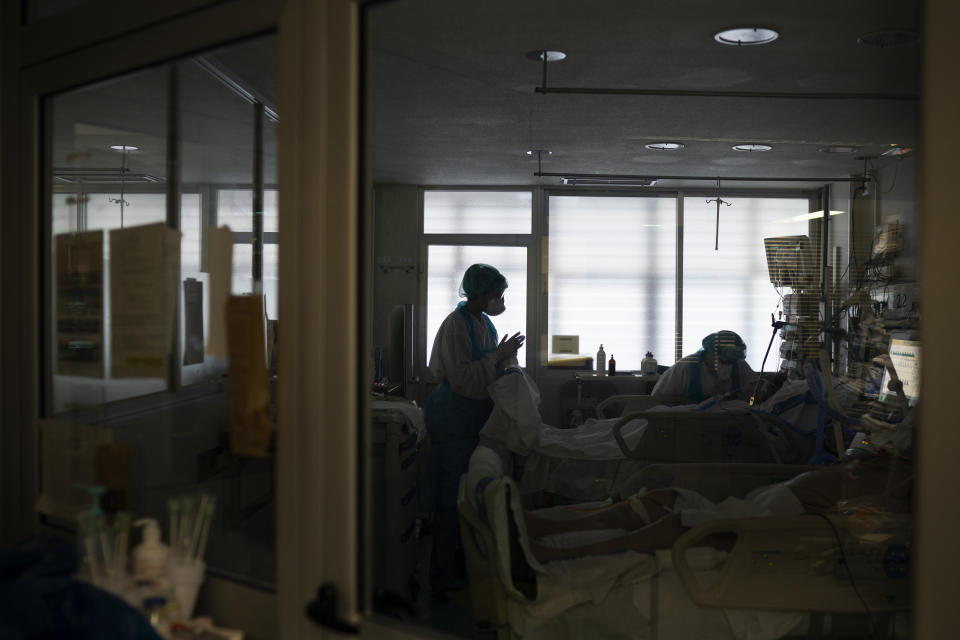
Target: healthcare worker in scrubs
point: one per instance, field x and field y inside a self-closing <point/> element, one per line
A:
<point x="466" y="358"/>
<point x="718" y="368"/>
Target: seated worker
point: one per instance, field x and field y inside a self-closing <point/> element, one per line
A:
<point x="656" y="519"/>
<point x="719" y="367"/>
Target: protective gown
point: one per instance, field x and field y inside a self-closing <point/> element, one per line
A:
<point x="465" y="362"/>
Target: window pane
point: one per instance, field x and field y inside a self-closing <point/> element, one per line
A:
<point x="612" y="275"/>
<point x="64" y="212"/>
<point x="477" y="211"/>
<point x="242" y="269"/>
<point x="271" y="219"/>
<point x="445" y="267"/>
<point x="730" y="288"/>
<point x="271" y="275"/>
<point x="104" y="210"/>
<point x="190" y="228"/>
<point x="235" y="209"/>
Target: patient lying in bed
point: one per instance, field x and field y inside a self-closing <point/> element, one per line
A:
<point x="655" y="520"/>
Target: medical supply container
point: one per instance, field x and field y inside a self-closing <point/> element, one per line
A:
<point x="601" y="362"/>
<point x="150" y="556"/>
<point x="648" y="366"/>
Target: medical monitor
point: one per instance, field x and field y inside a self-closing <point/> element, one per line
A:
<point x="905" y="356"/>
<point x="790" y="261"/>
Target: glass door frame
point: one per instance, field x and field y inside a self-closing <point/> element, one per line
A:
<point x="318" y="159"/>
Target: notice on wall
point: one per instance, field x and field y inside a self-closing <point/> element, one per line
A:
<point x="220" y="266"/>
<point x="144" y="273"/>
<point x="79" y="303"/>
<point x="249" y="393"/>
<point x="192" y="321"/>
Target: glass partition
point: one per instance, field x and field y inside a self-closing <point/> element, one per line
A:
<point x="149" y="363"/>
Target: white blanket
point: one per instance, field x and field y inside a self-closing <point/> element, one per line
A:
<point x="622" y="595"/>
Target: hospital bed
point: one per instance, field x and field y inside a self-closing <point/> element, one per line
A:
<point x="689" y="591"/>
<point x="618" y="405"/>
<point x="590" y="462"/>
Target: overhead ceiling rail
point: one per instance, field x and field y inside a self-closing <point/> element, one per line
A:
<point x="614" y="176"/>
<point x="543" y="88"/>
<point x="226" y="79"/>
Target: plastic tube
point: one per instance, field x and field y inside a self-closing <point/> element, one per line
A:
<point x="207" y="523"/>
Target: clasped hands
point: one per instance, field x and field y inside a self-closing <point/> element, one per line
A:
<point x="508" y="346"/>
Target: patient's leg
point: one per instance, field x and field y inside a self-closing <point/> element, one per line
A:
<point x="659" y="535"/>
<point x="621" y="515"/>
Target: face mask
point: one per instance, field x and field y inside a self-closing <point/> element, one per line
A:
<point x="495" y="307"/>
<point x="724" y="371"/>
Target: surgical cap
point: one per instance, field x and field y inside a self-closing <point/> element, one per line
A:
<point x="480" y="279"/>
<point x="727" y="345"/>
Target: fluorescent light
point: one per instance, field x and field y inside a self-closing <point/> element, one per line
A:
<point x="604" y="181"/>
<point x="839" y="148"/>
<point x="124" y="147"/>
<point x="809" y="216"/>
<point x="743" y="36"/>
<point x="897" y="151"/>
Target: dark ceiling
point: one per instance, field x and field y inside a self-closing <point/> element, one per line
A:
<point x="452" y="94"/>
<point x="454" y="101"/>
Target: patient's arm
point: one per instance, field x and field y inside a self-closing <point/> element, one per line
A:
<point x="659" y="535"/>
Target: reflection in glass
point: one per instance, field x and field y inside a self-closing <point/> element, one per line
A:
<point x="170" y="432"/>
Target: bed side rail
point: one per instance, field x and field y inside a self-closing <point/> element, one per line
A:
<point x="803" y="563"/>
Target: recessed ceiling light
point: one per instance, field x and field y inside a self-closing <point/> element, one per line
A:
<point x="124" y="147"/>
<point x="552" y="56"/>
<point x="665" y="146"/>
<point x="838" y="148"/>
<point x="751" y="147"/>
<point x="743" y="36"/>
<point x="889" y="38"/>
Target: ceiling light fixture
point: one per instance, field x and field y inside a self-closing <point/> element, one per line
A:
<point x="838" y="148"/>
<point x="665" y="146"/>
<point x="897" y="151"/>
<point x="744" y="36"/>
<point x="533" y="152"/>
<point x="889" y="38"/>
<point x="607" y="181"/>
<point x="546" y="54"/>
<point x="751" y="147"/>
<point x="124" y="147"/>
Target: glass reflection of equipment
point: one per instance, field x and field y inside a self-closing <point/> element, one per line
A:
<point x="905" y="360"/>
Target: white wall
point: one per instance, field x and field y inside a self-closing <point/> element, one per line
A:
<point x="395" y="236"/>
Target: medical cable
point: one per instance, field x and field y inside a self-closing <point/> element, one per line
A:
<point x="853" y="583"/>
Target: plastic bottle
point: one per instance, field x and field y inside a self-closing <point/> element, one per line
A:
<point x="612" y="366"/>
<point x="648" y="366"/>
<point x="601" y="362"/>
<point x="150" y="556"/>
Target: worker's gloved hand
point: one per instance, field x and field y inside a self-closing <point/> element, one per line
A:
<point x="508" y="346"/>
